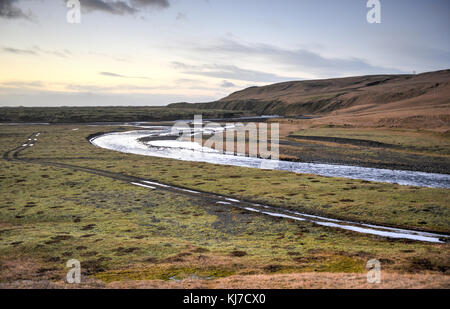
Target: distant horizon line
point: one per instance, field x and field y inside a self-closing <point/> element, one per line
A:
<point x="185" y="102"/>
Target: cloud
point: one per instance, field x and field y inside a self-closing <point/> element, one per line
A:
<point x="123" y="58"/>
<point x="9" y="10"/>
<point x="111" y="74"/>
<point x="63" y="54"/>
<point x="17" y="51"/>
<point x="413" y="56"/>
<point x="157" y="3"/>
<point x="33" y="87"/>
<point x="229" y="72"/>
<point x="117" y="8"/>
<point x="110" y="89"/>
<point x="122" y="7"/>
<point x="299" y="59"/>
<point x="35" y="51"/>
<point x="23" y="84"/>
<point x="36" y="86"/>
<point x="227" y="84"/>
<point x="181" y="16"/>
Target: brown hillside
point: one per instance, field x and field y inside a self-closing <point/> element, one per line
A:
<point x="386" y="98"/>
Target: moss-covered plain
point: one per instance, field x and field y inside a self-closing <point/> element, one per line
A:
<point x="389" y="204"/>
<point x="121" y="232"/>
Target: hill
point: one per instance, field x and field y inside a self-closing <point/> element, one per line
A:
<point x="386" y="98"/>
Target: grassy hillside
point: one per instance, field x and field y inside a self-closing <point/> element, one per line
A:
<point x="390" y="100"/>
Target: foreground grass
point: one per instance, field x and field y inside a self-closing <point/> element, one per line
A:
<point x="268" y="281"/>
<point x="300" y="281"/>
<point x="122" y="233"/>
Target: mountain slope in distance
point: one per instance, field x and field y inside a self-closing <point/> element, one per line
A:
<point x="384" y="98"/>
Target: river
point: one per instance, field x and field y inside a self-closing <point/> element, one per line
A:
<point x="128" y="142"/>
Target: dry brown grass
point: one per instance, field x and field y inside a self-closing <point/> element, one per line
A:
<point x="12" y="269"/>
<point x="298" y="281"/>
<point x="429" y="111"/>
<point x="278" y="281"/>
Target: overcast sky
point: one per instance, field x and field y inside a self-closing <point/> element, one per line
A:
<point x="155" y="52"/>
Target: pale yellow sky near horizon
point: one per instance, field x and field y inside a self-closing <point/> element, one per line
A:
<point x="201" y="51"/>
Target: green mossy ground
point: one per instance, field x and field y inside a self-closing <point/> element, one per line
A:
<point x="389" y="204"/>
<point x="123" y="232"/>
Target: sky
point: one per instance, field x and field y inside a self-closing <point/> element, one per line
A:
<point x="156" y="52"/>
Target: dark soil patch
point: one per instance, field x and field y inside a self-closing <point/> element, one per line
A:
<point x="238" y="253"/>
<point x="88" y="227"/>
<point x="91" y="267"/>
<point x="53" y="259"/>
<point x="200" y="250"/>
<point x="124" y="251"/>
<point x="272" y="268"/>
<point x="87" y="235"/>
<point x="89" y="254"/>
<point x="57" y="239"/>
<point x="425" y="264"/>
<point x="151" y="260"/>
